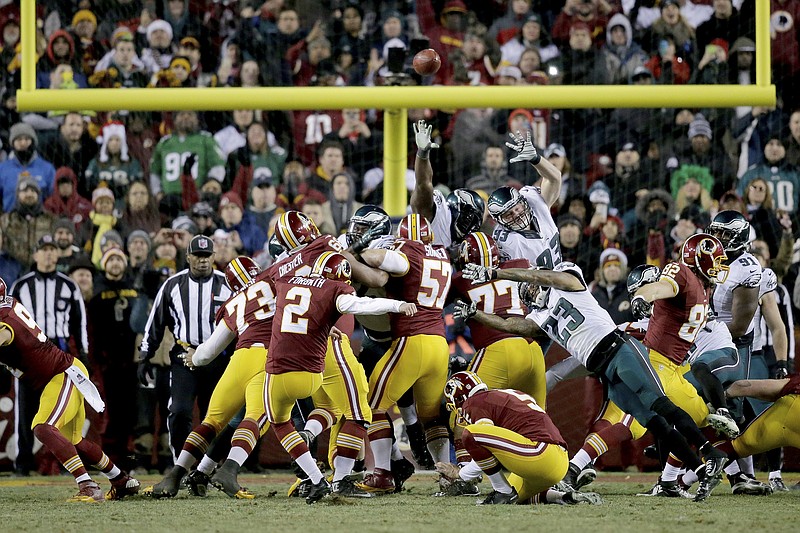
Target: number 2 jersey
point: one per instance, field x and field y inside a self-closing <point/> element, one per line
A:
<point x="677" y="320"/>
<point x="498" y="297"/>
<point x="745" y="271"/>
<point x="305" y="312"/>
<point x="426" y="282"/>
<point x="541" y="247"/>
<point x="515" y="411"/>
<point x="573" y="319"/>
<point x="30" y="356"/>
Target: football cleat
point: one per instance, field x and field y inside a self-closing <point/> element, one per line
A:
<point x="576" y="478"/>
<point x="225" y="479"/>
<point x="668" y="489"/>
<point x="169" y="486"/>
<point x="715" y="460"/>
<point x="88" y="492"/>
<point x="347" y="487"/>
<point x="124" y="486"/>
<point x="380" y="481"/>
<point x="796" y="486"/>
<point x="500" y="498"/>
<point x="778" y="485"/>
<point x="707" y="483"/>
<point x="307" y="436"/>
<point x="299" y="488"/>
<point x="419" y="449"/>
<point x="575" y="497"/>
<point x="723" y="423"/>
<point x="402" y="469"/>
<point x="197" y="483"/>
<point x="742" y="483"/>
<point x="317" y="491"/>
<point x="458" y="487"/>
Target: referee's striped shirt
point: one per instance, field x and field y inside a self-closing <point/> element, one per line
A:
<point x="56" y="303"/>
<point x="187" y="306"/>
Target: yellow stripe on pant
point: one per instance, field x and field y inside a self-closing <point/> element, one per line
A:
<point x="534" y="466"/>
<point x="282" y="390"/>
<point x="614" y="415"/>
<point x="344" y="383"/>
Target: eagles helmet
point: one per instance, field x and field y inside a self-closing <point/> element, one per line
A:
<point x="732" y="229"/>
<point x="366" y="218"/>
<point x="503" y="206"/>
<point x="275" y="248"/>
<point x="466" y="208"/>
<point x="642" y="275"/>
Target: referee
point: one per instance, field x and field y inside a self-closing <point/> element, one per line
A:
<point x="56" y="303"/>
<point x="186" y="304"/>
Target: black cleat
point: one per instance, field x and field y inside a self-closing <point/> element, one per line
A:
<point x="317" y="491"/>
<point x="226" y="480"/>
<point x="419" y="448"/>
<point x="402" y="469"/>
<point x="347" y="488"/>
<point x="707" y="483"/>
<point x="169" y="486"/>
<point x="742" y="483"/>
<point x="197" y="482"/>
<point x="715" y="460"/>
<point x="499" y="498"/>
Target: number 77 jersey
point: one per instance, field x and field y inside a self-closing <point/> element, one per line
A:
<point x="676" y="321"/>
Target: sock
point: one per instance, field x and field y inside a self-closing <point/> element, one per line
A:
<point x="500" y="483"/>
<point x="689" y="478"/>
<point x="550" y="496"/>
<point x="470" y="471"/>
<point x="409" y="414"/>
<point x="581" y="459"/>
<point x="596" y="444"/>
<point x="207" y="465"/>
<point x="775" y="459"/>
<point x="462" y="457"/>
<point x="186" y="460"/>
<point x="296" y="446"/>
<point x="348" y="444"/>
<point x="309" y="466"/>
<point x="672" y="469"/>
<point x="397" y="455"/>
<point x="313" y="427"/>
<point x="94" y="455"/>
<point x="63" y="449"/>
<point x="319" y="420"/>
<point x="775" y="474"/>
<point x="380" y="441"/>
<point x="746" y="464"/>
<point x="244" y="440"/>
<point x="438" y="441"/>
<point x="342" y="466"/>
<point x="196" y="445"/>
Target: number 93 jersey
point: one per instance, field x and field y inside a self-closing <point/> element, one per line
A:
<point x="573" y="319"/>
<point x="29" y="356"/>
<point x="745" y="271"/>
<point x="676" y="321"/>
<point x="541" y="248"/>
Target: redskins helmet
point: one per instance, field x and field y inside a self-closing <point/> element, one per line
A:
<point x="732" y="229"/>
<point x="3" y="289"/>
<point x="294" y="230"/>
<point x="332" y="265"/>
<point x="704" y="253"/>
<point x="415" y="227"/>
<point x="503" y="201"/>
<point x="459" y="387"/>
<point x="466" y="209"/>
<point x="480" y="249"/>
<point x="366" y="218"/>
<point x="642" y="275"/>
<point x="241" y="272"/>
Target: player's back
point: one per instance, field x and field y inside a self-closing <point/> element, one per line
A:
<point x="426" y="283"/>
<point x="497" y="297"/>
<point x="304" y="314"/>
<point x="676" y="321"/>
<point x="514" y="410"/>
<point x="30" y="355"/>
<point x="250" y="311"/>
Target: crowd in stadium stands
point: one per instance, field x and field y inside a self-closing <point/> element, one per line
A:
<point x="637" y="180"/>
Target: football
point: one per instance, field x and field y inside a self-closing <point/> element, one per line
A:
<point x="427" y="62"/>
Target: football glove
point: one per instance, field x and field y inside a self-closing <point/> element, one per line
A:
<point x="641" y="308"/>
<point x="524" y="147"/>
<point x="365" y="240"/>
<point x="191" y="159"/>
<point x="478" y="273"/>
<point x="422" y="134"/>
<point x="780" y="371"/>
<point x="464" y="311"/>
<point x="146" y="373"/>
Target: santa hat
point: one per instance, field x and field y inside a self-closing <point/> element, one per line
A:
<point x="113" y="129"/>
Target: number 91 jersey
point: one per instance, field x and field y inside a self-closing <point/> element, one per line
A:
<point x="676" y="321"/>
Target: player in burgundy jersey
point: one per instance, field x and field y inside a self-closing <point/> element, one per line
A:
<point x="419" y="356"/>
<point x="507" y="429"/>
<point x="247" y="318"/>
<point x="63" y="382"/>
<point x="306" y="310"/>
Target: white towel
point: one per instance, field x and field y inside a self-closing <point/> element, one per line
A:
<point x="87" y="388"/>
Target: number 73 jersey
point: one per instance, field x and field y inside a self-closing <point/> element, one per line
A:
<point x="676" y="321"/>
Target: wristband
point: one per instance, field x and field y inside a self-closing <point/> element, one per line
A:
<point x="492" y="273"/>
<point x="536" y="160"/>
<point x="423" y="154"/>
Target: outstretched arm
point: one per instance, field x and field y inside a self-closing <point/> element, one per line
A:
<point x="422" y="196"/>
<point x="516" y="325"/>
<point x="762" y="389"/>
<point x="551" y="176"/>
<point x="559" y="280"/>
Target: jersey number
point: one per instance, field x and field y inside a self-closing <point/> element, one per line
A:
<point x="173" y="165"/>
<point x="524" y="398"/>
<point x="265" y="298"/>
<point x="489" y="292"/>
<point x="436" y="277"/>
<point x="28" y="320"/>
<point x="697" y="318"/>
<point x="293" y="321"/>
<point x="564" y="319"/>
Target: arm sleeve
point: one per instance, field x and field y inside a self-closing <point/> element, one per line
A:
<point x="357" y="305"/>
<point x="77" y="321"/>
<point x="211" y="348"/>
<point x="154" y="329"/>
<point x="395" y="263"/>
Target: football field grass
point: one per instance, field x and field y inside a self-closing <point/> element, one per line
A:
<point x="38" y="504"/>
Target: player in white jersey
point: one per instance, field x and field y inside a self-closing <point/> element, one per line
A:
<point x="564" y="309"/>
<point x="525" y="229"/>
<point x="451" y="218"/>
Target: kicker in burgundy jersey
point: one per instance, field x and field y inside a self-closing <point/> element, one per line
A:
<point x="426" y="283"/>
<point x="513" y="410"/>
<point x="30" y="356"/>
<point x="676" y="321"/>
<point x="300" y="263"/>
<point x="305" y="312"/>
<point x="498" y="297"/>
<point x="250" y="311"/>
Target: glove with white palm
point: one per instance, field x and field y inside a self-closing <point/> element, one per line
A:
<point x="464" y="310"/>
<point x="478" y="273"/>
<point x="422" y="134"/>
<point x="524" y="147"/>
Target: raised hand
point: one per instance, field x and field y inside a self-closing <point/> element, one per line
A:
<point x="464" y="310"/>
<point x="476" y="273"/>
<point x="524" y="147"/>
<point x="422" y="134"/>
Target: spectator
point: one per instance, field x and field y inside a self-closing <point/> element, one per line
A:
<point x="507" y="27"/>
<point x="101" y="220"/>
<point x="24" y="161"/>
<point x="361" y="146"/>
<point x="65" y="200"/>
<point x="626" y="54"/>
<point x="628" y="182"/>
<point x="140" y="211"/>
<point x="203" y="216"/>
<point x="246" y="236"/>
<point x="183" y="22"/>
<point x="113" y="165"/>
<point x="782" y="178"/>
<point x="142" y="138"/>
<point x="573" y="248"/>
<point x="531" y="67"/>
<point x="60" y="51"/>
<point x="190" y="47"/>
<point x="610" y="235"/>
<point x="10" y="268"/>
<point x="89" y="50"/>
<point x="672" y="24"/>
<point x="267" y="43"/>
<point x="448" y="34"/>
<point x="592" y="14"/>
<point x="72" y="147"/>
<point x="113" y="345"/>
<point x="187" y="144"/>
<point x="470" y="131"/>
<point x="262" y="207"/>
<point x="232" y="137"/>
<point x="305" y="56"/>
<point x="342" y="201"/>
<point x="713" y="66"/>
<point x="532" y="35"/>
<point x="611" y="289"/>
<point x="351" y="49"/>
<point x="121" y="67"/>
<point x="649" y="234"/>
<point x="494" y="171"/>
<point x="572" y="183"/>
<point x="68" y="250"/>
<point x="471" y="65"/>
<point x="692" y="185"/>
<point x="177" y="75"/>
<point x="667" y="67"/>
<point x="727" y="24"/>
<point x="792" y="142"/>
<point x="704" y="153"/>
<point x="331" y="162"/>
<point x="764" y="220"/>
<point x="785" y="48"/>
<point x="627" y="123"/>
<point x="127" y="14"/>
<point x="158" y="53"/>
<point x="310" y="129"/>
<point x="320" y="216"/>
<point x="690" y="221"/>
<point x="225" y="245"/>
<point x="26" y="223"/>
<point x="82" y="273"/>
<point x="261" y="157"/>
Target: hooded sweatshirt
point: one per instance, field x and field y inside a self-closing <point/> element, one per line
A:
<point x="75" y="207"/>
